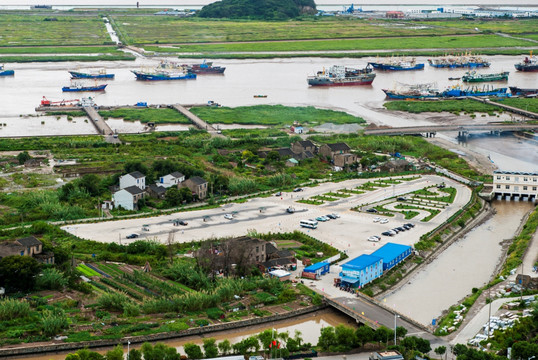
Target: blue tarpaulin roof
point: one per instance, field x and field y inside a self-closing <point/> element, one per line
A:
<point x="315" y="266"/>
<point x="391" y="251"/>
<point x="349" y="279"/>
<point x="362" y="262"/>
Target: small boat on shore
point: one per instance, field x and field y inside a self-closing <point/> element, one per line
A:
<point x="260" y="96"/>
<point x="342" y="76"/>
<point x="4" y="72"/>
<point x="162" y="75"/>
<point x="101" y="74"/>
<point x="81" y="88"/>
<point x="454" y="78"/>
<point x="473" y="76"/>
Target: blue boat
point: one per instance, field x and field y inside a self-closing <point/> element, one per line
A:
<point x="475" y="91"/>
<point x="98" y="75"/>
<point x="462" y="61"/>
<point x="4" y="72"/>
<point x="80" y="88"/>
<point x="397" y="65"/>
<point x="162" y="75"/>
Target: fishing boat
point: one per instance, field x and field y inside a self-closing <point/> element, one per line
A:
<point x="397" y="64"/>
<point x="458" y="92"/>
<point x="413" y="92"/>
<point x="523" y="92"/>
<point x="80" y="88"/>
<point x="205" y="68"/>
<point x="4" y="72"/>
<point x="342" y="76"/>
<point x="473" y="76"/>
<point x="162" y="75"/>
<point x="467" y="60"/>
<point x="454" y="78"/>
<point x="530" y="63"/>
<point x="101" y="74"/>
<point x="260" y="96"/>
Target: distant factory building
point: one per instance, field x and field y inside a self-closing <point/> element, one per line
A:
<point x="516" y="185"/>
<point x="395" y="15"/>
<point x="361" y="270"/>
<point x="392" y="254"/>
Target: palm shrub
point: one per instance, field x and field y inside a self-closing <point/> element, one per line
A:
<point x="11" y="309"/>
<point x="51" y="279"/>
<point x="116" y="301"/>
<point x="53" y="322"/>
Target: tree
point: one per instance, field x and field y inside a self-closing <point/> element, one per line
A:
<point x="459" y="349"/>
<point x="18" y="272"/>
<point x="327" y="338"/>
<point x="136" y="166"/>
<point x="400" y="332"/>
<point x="135" y="354"/>
<point x="364" y="334"/>
<point x="173" y="196"/>
<point x="345" y="337"/>
<point x="90" y="183"/>
<point x="193" y="351"/>
<point x="383" y="334"/>
<point x="225" y="347"/>
<point x="440" y="350"/>
<point x="23" y="157"/>
<point x="210" y="348"/>
<point x="115" y="354"/>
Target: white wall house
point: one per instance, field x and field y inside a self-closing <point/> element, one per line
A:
<point x="523" y="185"/>
<point x="173" y="179"/>
<point x="136" y="178"/>
<point x="128" y="198"/>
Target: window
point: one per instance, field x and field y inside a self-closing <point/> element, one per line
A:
<point x="498" y="186"/>
<point x="257" y="258"/>
<point x="498" y="177"/>
<point x="534" y="188"/>
<point x="525" y="179"/>
<point x="524" y="188"/>
<point x="257" y="250"/>
<point x="507" y="187"/>
<point x="516" y="178"/>
<point x="508" y="178"/>
<point x="534" y="179"/>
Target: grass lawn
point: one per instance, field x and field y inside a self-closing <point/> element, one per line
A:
<point x="439" y="42"/>
<point x="60" y="50"/>
<point x="164" y="29"/>
<point x="510" y="26"/>
<point x="453" y="106"/>
<point x="38" y="30"/>
<point x="273" y="115"/>
<point x="530" y="104"/>
<point x="158" y="116"/>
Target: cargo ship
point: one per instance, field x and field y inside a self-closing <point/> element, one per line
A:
<point x="461" y="61"/>
<point x="80" y="88"/>
<point x="414" y="92"/>
<point x="523" y="92"/>
<point x="397" y="65"/>
<point x="162" y="75"/>
<point x="473" y="76"/>
<point x="101" y="74"/>
<point x="457" y="92"/>
<point x="342" y="76"/>
<point x="530" y="63"/>
<point x="4" y="72"/>
<point x="205" y="68"/>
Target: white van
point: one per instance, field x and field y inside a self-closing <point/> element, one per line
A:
<point x="309" y="224"/>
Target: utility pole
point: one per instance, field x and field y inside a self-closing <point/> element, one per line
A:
<point x="395" y="317"/>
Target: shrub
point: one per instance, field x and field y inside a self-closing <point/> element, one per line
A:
<point x="53" y="322"/>
<point x="11" y="309"/>
<point x="131" y="310"/>
<point x="214" y="313"/>
<point x="113" y="301"/>
<point x="51" y="279"/>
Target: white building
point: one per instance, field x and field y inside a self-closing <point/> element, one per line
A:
<point x="136" y="178"/>
<point x="173" y="179"/>
<point x="517" y="185"/>
<point x="128" y="197"/>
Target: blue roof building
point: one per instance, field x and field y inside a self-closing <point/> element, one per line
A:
<point x="392" y="254"/>
<point x="319" y="269"/>
<point x="361" y="270"/>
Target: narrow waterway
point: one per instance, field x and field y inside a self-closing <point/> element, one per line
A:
<point x="309" y="325"/>
<point x="468" y="263"/>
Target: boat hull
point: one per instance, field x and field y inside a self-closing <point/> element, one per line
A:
<point x="79" y="75"/>
<point x="396" y="96"/>
<point x="519" y="91"/>
<point x="161" y="77"/>
<point x="211" y="70"/>
<point x="84" y="88"/>
<point x="471" y="65"/>
<point x="7" y="72"/>
<point x="526" y="68"/>
<point x="388" y="67"/>
<point x="484" y="78"/>
<point x="467" y="93"/>
<point x="326" y="82"/>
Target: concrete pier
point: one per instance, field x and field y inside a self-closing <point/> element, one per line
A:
<point x="96" y="119"/>
<point x="199" y="123"/>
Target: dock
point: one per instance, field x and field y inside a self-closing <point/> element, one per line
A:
<point x="96" y="119"/>
<point x="199" y="123"/>
<point x="526" y="113"/>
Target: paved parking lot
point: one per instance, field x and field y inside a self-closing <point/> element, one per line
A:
<point x="348" y="233"/>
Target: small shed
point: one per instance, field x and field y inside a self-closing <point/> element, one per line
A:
<point x="282" y="275"/>
<point x="320" y="268"/>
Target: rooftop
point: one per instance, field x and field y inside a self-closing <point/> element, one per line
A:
<point x="339" y="147"/>
<point x="515" y="173"/>
<point x="28" y="241"/>
<point x="158" y="189"/>
<point x="137" y="174"/>
<point x="197" y="180"/>
<point x="133" y="190"/>
<point x="316" y="266"/>
<point x="391" y="251"/>
<point x="362" y="261"/>
<point x="177" y="174"/>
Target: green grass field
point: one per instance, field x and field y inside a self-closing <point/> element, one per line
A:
<point x="440" y="42"/>
<point x="453" y="106"/>
<point x="61" y="50"/>
<point x="509" y="26"/>
<point x="273" y="115"/>
<point x="158" y="116"/>
<point x="38" y="30"/>
<point x="530" y="104"/>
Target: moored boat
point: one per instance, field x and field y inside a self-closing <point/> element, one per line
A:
<point x="206" y="68"/>
<point x="530" y="64"/>
<point x="342" y="76"/>
<point x="4" y="72"/>
<point x="80" y="88"/>
<point x="459" y="61"/>
<point x="457" y="91"/>
<point x="162" y="75"/>
<point x="523" y="92"/>
<point x="101" y="74"/>
<point x="397" y="64"/>
<point x="413" y="92"/>
<point x="473" y="76"/>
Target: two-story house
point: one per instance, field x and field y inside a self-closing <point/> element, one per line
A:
<point x="136" y="178"/>
<point x="172" y="179"/>
<point x="128" y="197"/>
<point x="328" y="151"/>
<point x="28" y="246"/>
<point x="301" y="146"/>
<point x="197" y="185"/>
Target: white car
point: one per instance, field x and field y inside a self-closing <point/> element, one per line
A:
<point x="374" y="238"/>
<point x="377" y="219"/>
<point x="384" y="221"/>
<point x="229" y="216"/>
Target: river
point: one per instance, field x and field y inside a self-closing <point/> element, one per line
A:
<point x="309" y="325"/>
